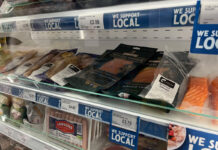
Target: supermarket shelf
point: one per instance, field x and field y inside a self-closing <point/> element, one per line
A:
<point x="29" y="139"/>
<point x="130" y="16"/>
<point x="103" y="109"/>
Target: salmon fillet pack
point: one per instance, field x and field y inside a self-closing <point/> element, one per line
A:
<point x="171" y="79"/>
<point x="131" y="85"/>
<point x="111" y="67"/>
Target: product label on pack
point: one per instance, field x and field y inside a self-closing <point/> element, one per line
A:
<point x="123" y="137"/>
<point x="154" y="18"/>
<point x="95" y="113"/>
<point x="163" y="89"/>
<point x="41" y="70"/>
<point x="55" y="24"/>
<point x="23" y="68"/>
<point x="68" y="71"/>
<point x="65" y="130"/>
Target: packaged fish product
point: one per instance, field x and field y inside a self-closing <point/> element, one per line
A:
<point x="18" y="59"/>
<point x="169" y="85"/>
<point x="131" y="85"/>
<point x="111" y="67"/>
<point x="44" y="59"/>
<point x="25" y="66"/>
<point x="54" y="64"/>
<point x="18" y="110"/>
<point x="5" y="104"/>
<point x="68" y="127"/>
<point x="196" y="95"/>
<point x="72" y="67"/>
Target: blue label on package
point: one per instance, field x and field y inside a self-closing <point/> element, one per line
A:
<point x="154" y="130"/>
<point x="204" y="37"/>
<point x="195" y="140"/>
<point x="95" y="113"/>
<point x="8" y="26"/>
<point x="165" y="17"/>
<point x="17" y="92"/>
<point x="47" y="100"/>
<point x="123" y="137"/>
<point x="55" y="24"/>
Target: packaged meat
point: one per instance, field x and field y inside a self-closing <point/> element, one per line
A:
<point x="18" y="59"/>
<point x="5" y="104"/>
<point x="196" y="95"/>
<point x="25" y="66"/>
<point x="111" y="67"/>
<point x="131" y="85"/>
<point x="44" y="59"/>
<point x="75" y="64"/>
<point x="171" y="77"/>
<point x="18" y="110"/>
<point x="68" y="127"/>
<point x="54" y="64"/>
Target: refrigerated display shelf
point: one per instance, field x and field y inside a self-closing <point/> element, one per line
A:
<point x="30" y="139"/>
<point x="103" y="109"/>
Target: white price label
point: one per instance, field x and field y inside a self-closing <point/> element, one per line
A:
<point x="208" y="14"/>
<point x="124" y="121"/>
<point x="89" y="22"/>
<point x="5" y="89"/>
<point x="69" y="106"/>
<point x="29" y="95"/>
<point x="23" y="25"/>
<point x="19" y="137"/>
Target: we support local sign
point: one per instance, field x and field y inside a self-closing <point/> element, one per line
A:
<point x="205" y="36"/>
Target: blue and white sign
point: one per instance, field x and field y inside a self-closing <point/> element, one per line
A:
<point x="48" y="100"/>
<point x="123" y="137"/>
<point x="165" y="17"/>
<point x="154" y="130"/>
<point x="8" y="26"/>
<point x="197" y="140"/>
<point x="95" y="113"/>
<point x="55" y="24"/>
<point x="205" y="36"/>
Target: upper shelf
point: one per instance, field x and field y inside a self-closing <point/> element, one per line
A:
<point x="129" y="16"/>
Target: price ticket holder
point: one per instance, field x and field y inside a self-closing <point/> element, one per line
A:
<point x="205" y="36"/>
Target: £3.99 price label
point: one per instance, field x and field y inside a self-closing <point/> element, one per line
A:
<point x="91" y="22"/>
<point x="125" y="121"/>
<point x="70" y="106"/>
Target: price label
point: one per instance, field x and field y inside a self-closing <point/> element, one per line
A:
<point x="89" y="22"/>
<point x="5" y="89"/>
<point x="29" y="95"/>
<point x="69" y="106"/>
<point x="125" y="121"/>
<point x="209" y="10"/>
<point x="19" y="137"/>
<point x="23" y="25"/>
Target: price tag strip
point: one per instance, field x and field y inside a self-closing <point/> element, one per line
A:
<point x="205" y="36"/>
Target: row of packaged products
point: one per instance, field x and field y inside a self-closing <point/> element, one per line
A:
<point x="67" y="128"/>
<point x="133" y="72"/>
<point x="8" y="144"/>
